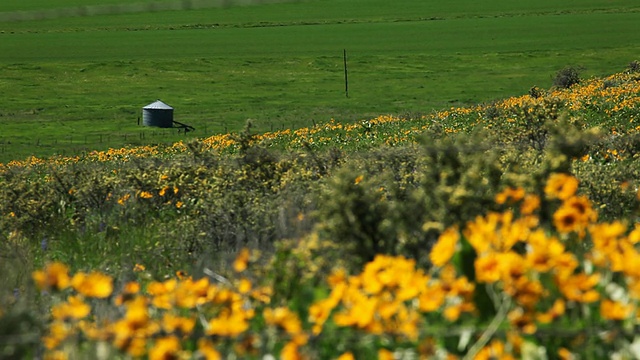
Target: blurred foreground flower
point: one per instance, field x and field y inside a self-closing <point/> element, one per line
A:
<point x="55" y="276"/>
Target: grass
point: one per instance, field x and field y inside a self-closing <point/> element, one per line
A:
<point x="78" y="83"/>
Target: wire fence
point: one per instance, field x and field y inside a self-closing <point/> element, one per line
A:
<point x="86" y="139"/>
<point x="127" y="8"/>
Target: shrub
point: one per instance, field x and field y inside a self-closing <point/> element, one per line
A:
<point x="492" y="112"/>
<point x="567" y="77"/>
<point x="536" y="92"/>
<point x="396" y="201"/>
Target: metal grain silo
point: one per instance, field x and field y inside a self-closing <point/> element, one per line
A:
<point x="157" y="114"/>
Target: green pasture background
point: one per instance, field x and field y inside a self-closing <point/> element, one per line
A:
<point x="75" y="83"/>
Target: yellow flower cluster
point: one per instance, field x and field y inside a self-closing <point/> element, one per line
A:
<point x="537" y="274"/>
<point x="123" y="154"/>
<point x="161" y="320"/>
<point x="166" y="195"/>
<point x="622" y="94"/>
<point x="390" y="297"/>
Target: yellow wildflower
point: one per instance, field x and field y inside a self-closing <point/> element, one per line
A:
<point x="262" y="294"/>
<point x="138" y="268"/>
<point x="346" y="356"/>
<point x="124" y="199"/>
<point x="244" y="285"/>
<point x="510" y="194"/>
<point x="487" y="268"/>
<point x="522" y="320"/>
<point x="181" y="274"/>
<point x="634" y="235"/>
<point x="579" y="287"/>
<point x="284" y="318"/>
<point x="319" y="311"/>
<point x="481" y="231"/>
<point x="96" y="284"/>
<point x="145" y="195"/>
<point x="432" y="299"/>
<point x="361" y="313"/>
<point x="290" y="352"/>
<point x="228" y="324"/>
<point x="58" y="332"/>
<point x="240" y="264"/>
<point x="565" y="354"/>
<point x="525" y="291"/>
<point x="544" y="252"/>
<point x="614" y="310"/>
<point x="128" y="292"/>
<point x="74" y="308"/>
<point x="445" y="248"/>
<point x="163" y="293"/>
<point x="137" y="314"/>
<point x="163" y="191"/>
<point x="452" y="312"/>
<point x="172" y="323"/>
<point x="556" y="311"/>
<point x="189" y="293"/>
<point x="165" y="348"/>
<point x="384" y="354"/>
<point x="561" y="186"/>
<point x="337" y="276"/>
<point x="207" y="350"/>
<point x="530" y="204"/>
<point x="566" y="219"/>
<point x="54" y="276"/>
<point x="575" y="215"/>
<point x="495" y="350"/>
<point x="135" y="347"/>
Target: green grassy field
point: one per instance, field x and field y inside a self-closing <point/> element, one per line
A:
<point x="505" y="226"/>
<point x="73" y="83"/>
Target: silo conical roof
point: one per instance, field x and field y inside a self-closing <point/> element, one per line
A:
<point x="158" y="105"/>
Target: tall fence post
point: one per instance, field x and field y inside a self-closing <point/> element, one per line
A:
<point x="346" y="76"/>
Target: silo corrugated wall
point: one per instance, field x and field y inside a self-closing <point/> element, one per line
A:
<point x="157" y="114"/>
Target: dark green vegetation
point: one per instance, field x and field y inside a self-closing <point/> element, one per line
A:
<point x="78" y="83"/>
